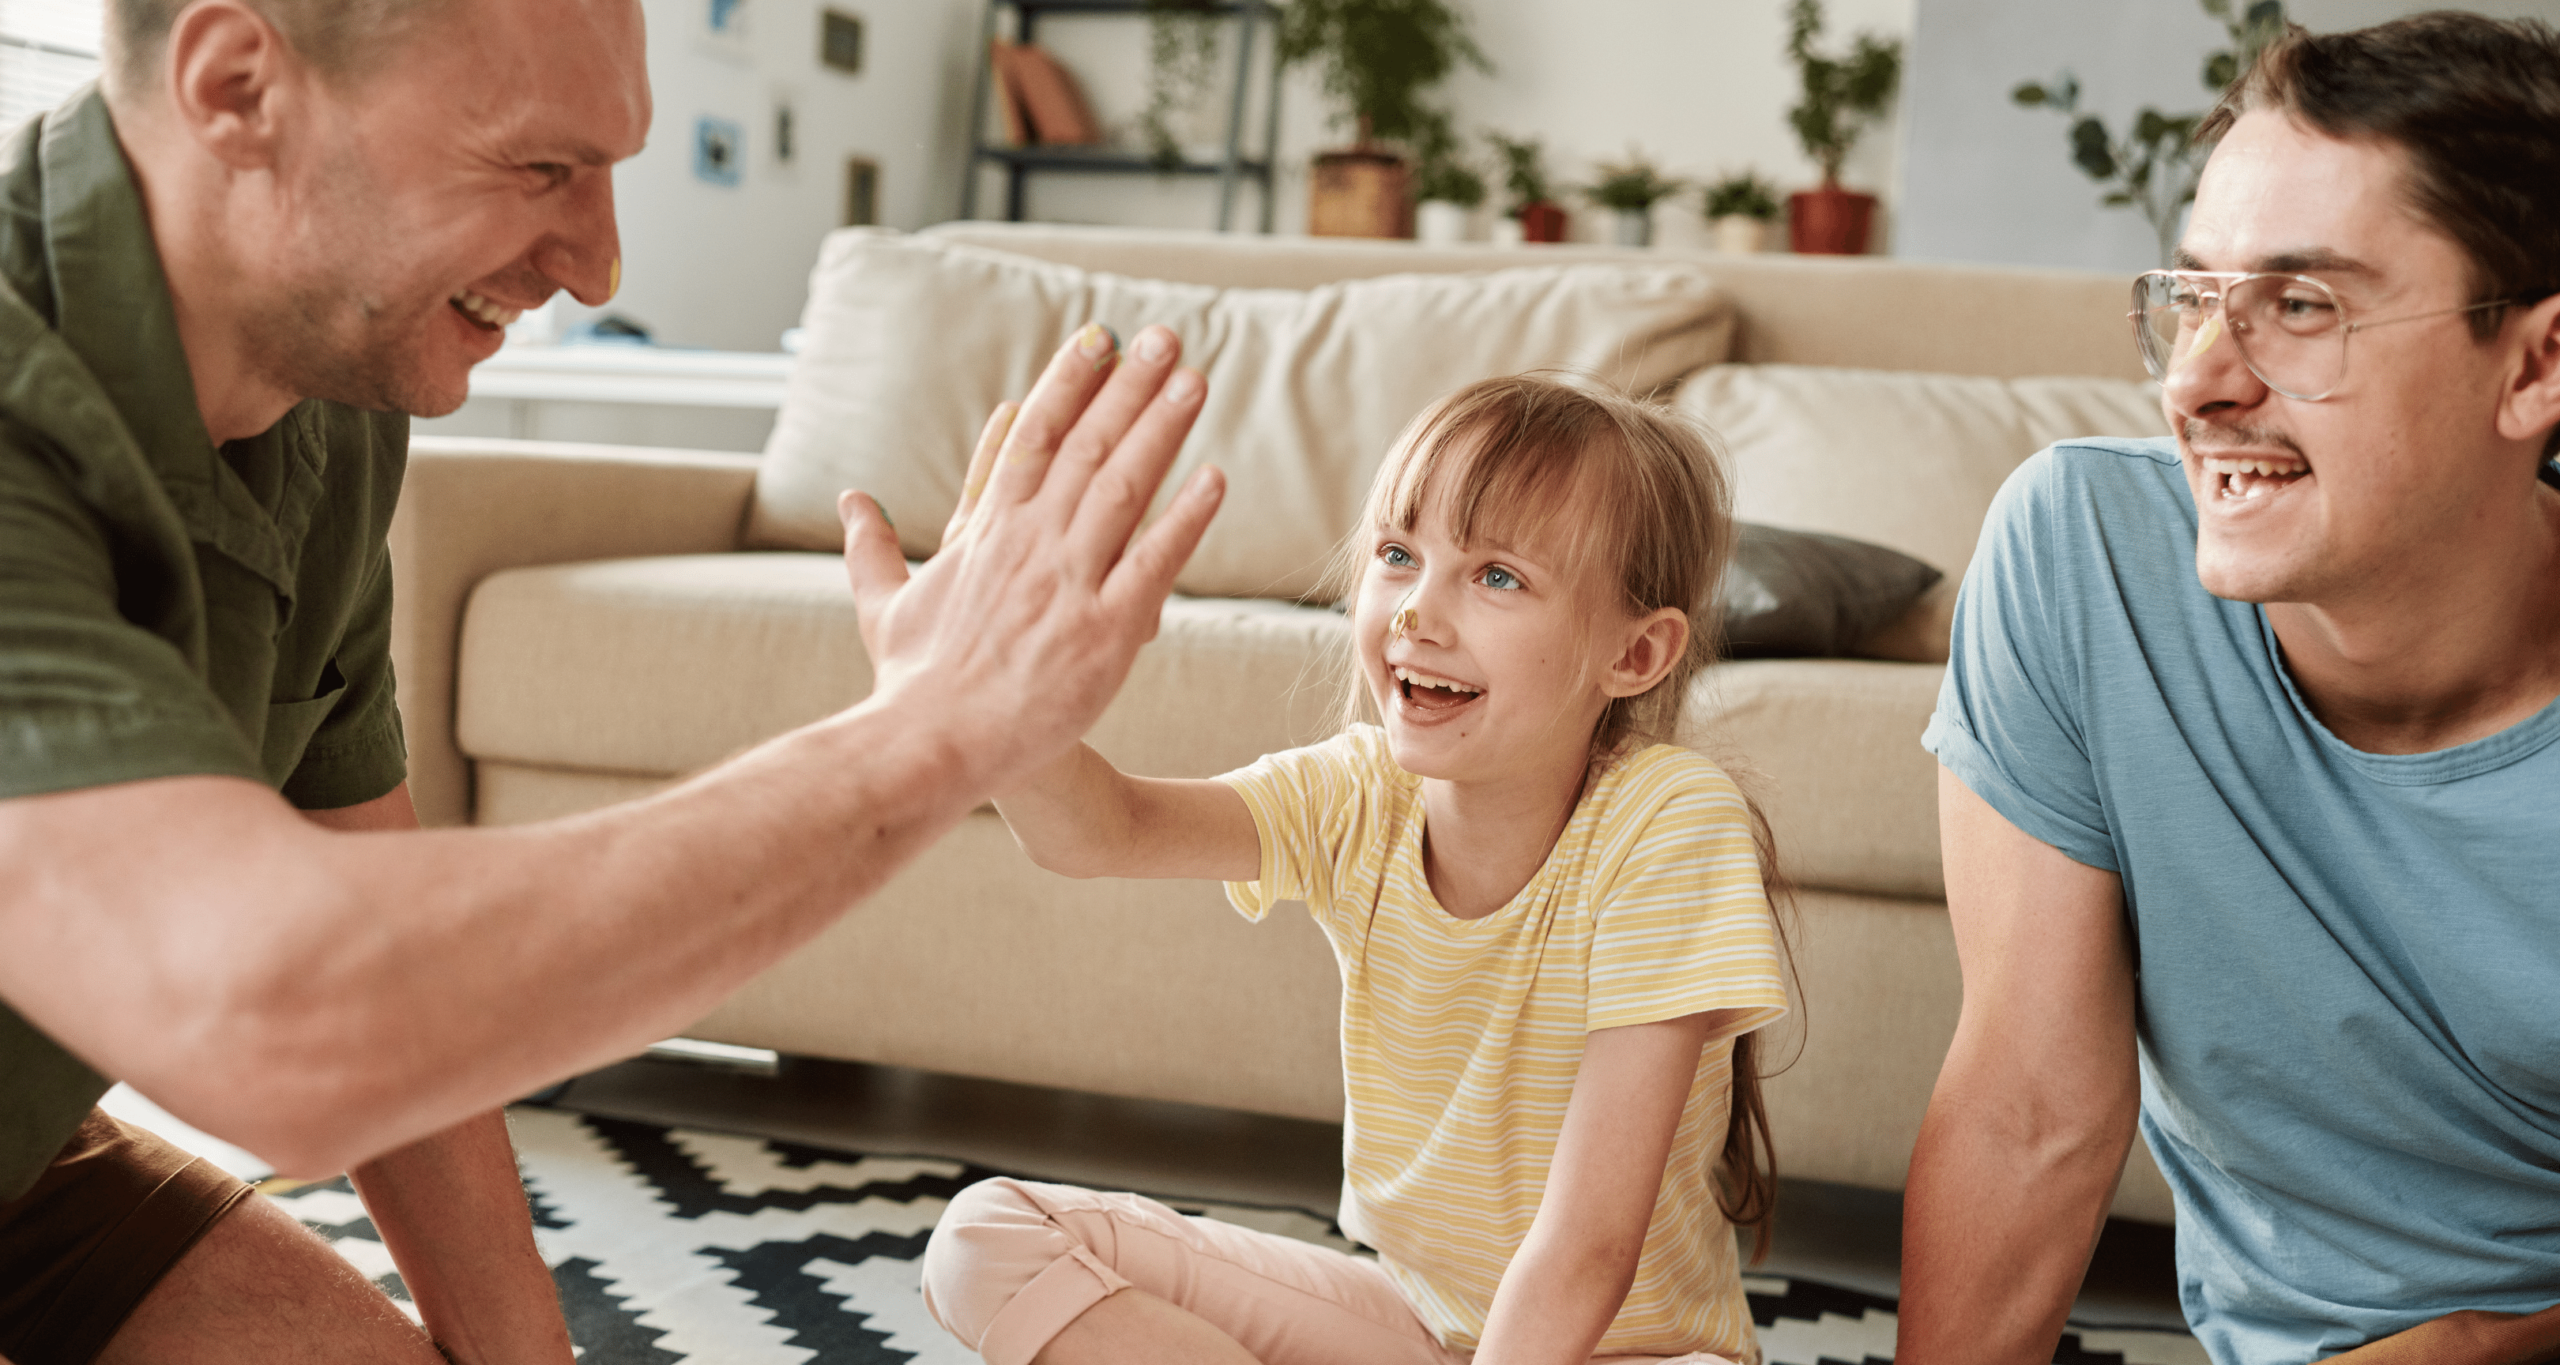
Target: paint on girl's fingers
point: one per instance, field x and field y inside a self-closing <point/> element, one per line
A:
<point x="1098" y="344"/>
<point x="613" y="280"/>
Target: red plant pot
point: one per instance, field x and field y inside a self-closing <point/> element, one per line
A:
<point x="1829" y="221"/>
<point x="1542" y="222"/>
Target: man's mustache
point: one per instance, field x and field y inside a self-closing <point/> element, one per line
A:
<point x="2204" y="438"/>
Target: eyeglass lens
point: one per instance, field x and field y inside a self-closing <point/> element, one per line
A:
<point x="2287" y="330"/>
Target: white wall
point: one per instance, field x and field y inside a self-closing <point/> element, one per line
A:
<point x="1984" y="180"/>
<point x="1701" y="85"/>
<point x="727" y="266"/>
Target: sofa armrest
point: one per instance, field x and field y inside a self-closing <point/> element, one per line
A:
<point x="470" y="508"/>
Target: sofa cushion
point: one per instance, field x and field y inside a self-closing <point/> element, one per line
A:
<point x="911" y="341"/>
<point x="667" y="665"/>
<point x="1830" y="748"/>
<point x="663" y="666"/>
<point x="1803" y="594"/>
<point x="1908" y="461"/>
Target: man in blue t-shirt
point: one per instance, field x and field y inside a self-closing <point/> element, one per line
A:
<point x="2251" y="799"/>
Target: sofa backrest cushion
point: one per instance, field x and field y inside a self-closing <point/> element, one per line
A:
<point x="910" y="341"/>
<point x="1908" y="461"/>
<point x="1862" y="312"/>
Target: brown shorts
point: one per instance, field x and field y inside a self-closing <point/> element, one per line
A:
<point x="78" y="1252"/>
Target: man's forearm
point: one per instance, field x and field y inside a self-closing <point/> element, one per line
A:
<point x="451" y="1209"/>
<point x="1997" y="1228"/>
<point x="340" y="995"/>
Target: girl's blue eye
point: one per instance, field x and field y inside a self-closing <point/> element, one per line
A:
<point x="1502" y="578"/>
<point x="1396" y="557"/>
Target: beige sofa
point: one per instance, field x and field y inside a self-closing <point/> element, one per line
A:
<point x="581" y="625"/>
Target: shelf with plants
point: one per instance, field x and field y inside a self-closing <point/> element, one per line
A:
<point x="1182" y="40"/>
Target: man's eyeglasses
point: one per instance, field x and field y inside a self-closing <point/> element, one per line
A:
<point x="2288" y="329"/>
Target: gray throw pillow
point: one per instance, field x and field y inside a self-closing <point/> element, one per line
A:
<point x="1801" y="594"/>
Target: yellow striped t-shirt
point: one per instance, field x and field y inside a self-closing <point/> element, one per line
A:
<point x="1461" y="1038"/>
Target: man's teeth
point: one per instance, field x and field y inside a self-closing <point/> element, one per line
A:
<point x="2254" y="467"/>
<point x="1418" y="679"/>
<point x="486" y="311"/>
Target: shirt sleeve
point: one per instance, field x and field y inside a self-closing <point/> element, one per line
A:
<point x="358" y="752"/>
<point x="1305" y="803"/>
<point x="1681" y="924"/>
<point x="2007" y="725"/>
<point x="88" y="698"/>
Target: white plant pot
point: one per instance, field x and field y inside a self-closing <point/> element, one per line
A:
<point x="1631" y="227"/>
<point x="1506" y="232"/>
<point x="1440" y="222"/>
<point x="1739" y="235"/>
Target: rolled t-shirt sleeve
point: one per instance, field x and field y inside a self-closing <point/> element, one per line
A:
<point x="2007" y="723"/>
<point x="87" y="697"/>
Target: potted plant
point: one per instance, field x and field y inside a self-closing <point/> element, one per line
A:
<point x="1377" y="58"/>
<point x="1534" y="213"/>
<point x="2153" y="168"/>
<point x="1629" y="189"/>
<point x="1740" y="207"/>
<point x="1841" y="96"/>
<point x="1447" y="190"/>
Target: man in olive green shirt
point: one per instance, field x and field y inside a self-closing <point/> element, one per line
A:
<point x="283" y="223"/>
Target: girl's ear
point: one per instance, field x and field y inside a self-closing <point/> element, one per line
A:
<point x="1653" y="648"/>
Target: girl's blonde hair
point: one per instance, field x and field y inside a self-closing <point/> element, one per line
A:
<point x="1516" y="456"/>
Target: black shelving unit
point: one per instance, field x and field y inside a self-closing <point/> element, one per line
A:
<point x="1231" y="170"/>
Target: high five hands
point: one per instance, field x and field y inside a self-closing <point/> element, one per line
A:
<point x="1022" y="627"/>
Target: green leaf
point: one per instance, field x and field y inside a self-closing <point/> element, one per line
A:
<point x="2090" y="149"/>
<point x="2117" y="200"/>
<point x="2220" y="70"/>
<point x="2029" y="93"/>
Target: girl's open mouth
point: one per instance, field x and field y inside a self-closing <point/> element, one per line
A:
<point x="1428" y="692"/>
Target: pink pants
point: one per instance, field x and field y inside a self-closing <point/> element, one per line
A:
<point x="1012" y="1263"/>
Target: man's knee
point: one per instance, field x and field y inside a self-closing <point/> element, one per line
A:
<point x="996" y="1239"/>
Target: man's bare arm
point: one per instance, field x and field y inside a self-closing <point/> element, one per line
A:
<point x="451" y="1209"/>
<point x="323" y="997"/>
<point x="2033" y="1113"/>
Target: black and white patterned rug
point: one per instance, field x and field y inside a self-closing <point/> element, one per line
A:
<point x="677" y="1246"/>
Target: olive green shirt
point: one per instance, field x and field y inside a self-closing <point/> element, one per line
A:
<point x="166" y="608"/>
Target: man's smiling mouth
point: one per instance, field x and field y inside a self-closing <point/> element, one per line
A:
<point x="482" y="313"/>
<point x="2240" y="479"/>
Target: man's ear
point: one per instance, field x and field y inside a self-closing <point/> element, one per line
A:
<point x="228" y="70"/>
<point x="2531" y="405"/>
<point x="1653" y="648"/>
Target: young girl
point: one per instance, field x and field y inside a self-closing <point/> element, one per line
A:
<point x="1552" y="928"/>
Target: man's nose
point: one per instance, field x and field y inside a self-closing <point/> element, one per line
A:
<point x="2212" y="374"/>
<point x="583" y="253"/>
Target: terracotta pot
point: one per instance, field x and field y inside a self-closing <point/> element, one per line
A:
<point x="1829" y="221"/>
<point x="1542" y="221"/>
<point x="1360" y="193"/>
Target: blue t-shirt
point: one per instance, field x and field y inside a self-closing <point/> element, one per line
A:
<point x="2348" y="963"/>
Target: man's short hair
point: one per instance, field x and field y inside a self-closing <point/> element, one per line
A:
<point x="339" y="38"/>
<point x="2474" y="101"/>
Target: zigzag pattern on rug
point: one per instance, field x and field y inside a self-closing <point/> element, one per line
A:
<point x="675" y="1246"/>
